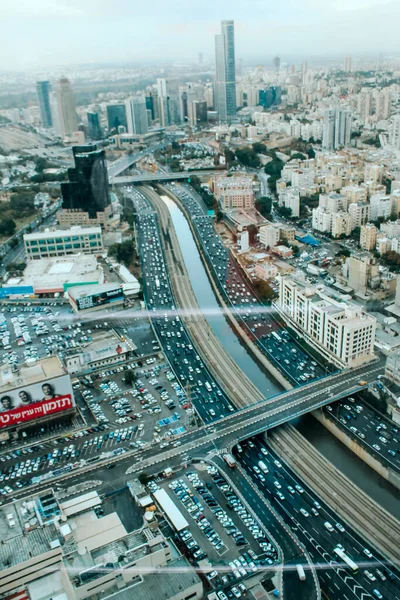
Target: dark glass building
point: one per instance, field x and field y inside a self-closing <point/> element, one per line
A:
<point x="270" y="97"/>
<point x="116" y="116"/>
<point x="87" y="188"/>
<point x="94" y="129"/>
<point x="43" y="89"/>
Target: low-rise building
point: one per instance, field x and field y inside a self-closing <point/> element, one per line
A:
<point x="290" y="198"/>
<point x="58" y="242"/>
<point x="269" y="235"/>
<point x="265" y="270"/>
<point x="343" y="333"/>
<point x="105" y="348"/>
<point x="233" y="192"/>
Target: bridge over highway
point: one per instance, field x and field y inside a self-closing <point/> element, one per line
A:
<point x="148" y="177"/>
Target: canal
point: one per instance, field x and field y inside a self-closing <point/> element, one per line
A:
<point x="207" y="301"/>
<point x="349" y="464"/>
<point x="353" y="467"/>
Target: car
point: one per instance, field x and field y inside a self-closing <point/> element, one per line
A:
<point x="212" y="575"/>
<point x="377" y="594"/>
<point x="367" y="552"/>
<point x="340" y="527"/>
<point x="236" y="592"/>
<point x="222" y="596"/>
<point x="304" y="512"/>
<point x="299" y="489"/>
<point x="370" y="575"/>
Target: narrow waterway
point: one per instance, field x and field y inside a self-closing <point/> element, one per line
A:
<point x="362" y="475"/>
<point x="207" y="301"/>
<point x="350" y="465"/>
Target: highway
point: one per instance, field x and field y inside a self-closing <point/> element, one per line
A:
<point x="126" y="161"/>
<point x="304" y="512"/>
<point x="259" y="323"/>
<point x="377" y="434"/>
<point x="162" y="176"/>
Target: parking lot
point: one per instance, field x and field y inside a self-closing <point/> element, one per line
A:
<point x="221" y="533"/>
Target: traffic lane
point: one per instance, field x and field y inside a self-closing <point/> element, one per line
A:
<point x="291" y="551"/>
<point x="352" y="542"/>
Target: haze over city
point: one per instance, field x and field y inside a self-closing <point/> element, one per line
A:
<point x="45" y="33"/>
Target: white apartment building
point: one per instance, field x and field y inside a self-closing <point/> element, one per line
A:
<point x="321" y="220"/>
<point x="395" y="132"/>
<point x="359" y="213"/>
<point x="354" y="193"/>
<point x="373" y="172"/>
<point x="368" y="235"/>
<point x="344" y="334"/>
<point x="302" y="178"/>
<point x="329" y="205"/>
<point x="60" y="242"/>
<point x="381" y="206"/>
<point x="269" y="235"/>
<point x="290" y="198"/>
<point x="234" y="192"/>
<point x="341" y="224"/>
<point x="383" y="244"/>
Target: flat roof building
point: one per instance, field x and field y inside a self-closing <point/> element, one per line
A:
<point x="61" y="242"/>
<point x="55" y="275"/>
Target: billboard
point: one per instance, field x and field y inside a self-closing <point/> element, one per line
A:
<point x="35" y="401"/>
<point x="94" y="300"/>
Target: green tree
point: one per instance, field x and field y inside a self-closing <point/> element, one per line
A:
<point x="7" y="226"/>
<point x="259" y="148"/>
<point x="253" y="231"/>
<point x="229" y="157"/>
<point x="298" y="156"/>
<point x="264" y="206"/>
<point x="284" y="211"/>
<point x="310" y="153"/>
<point x="264" y="291"/>
<point x="130" y="377"/>
<point x="248" y="158"/>
<point x="124" y="252"/>
<point x="22" y="204"/>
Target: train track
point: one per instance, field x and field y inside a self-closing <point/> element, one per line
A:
<point x="352" y="504"/>
<point x="228" y="374"/>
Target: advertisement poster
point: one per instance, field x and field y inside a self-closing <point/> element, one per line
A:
<point x="35" y="401"/>
<point x="94" y="300"/>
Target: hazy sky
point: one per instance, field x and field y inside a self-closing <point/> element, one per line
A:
<point x="35" y="33"/>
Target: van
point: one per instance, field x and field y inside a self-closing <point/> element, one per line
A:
<point x="263" y="466"/>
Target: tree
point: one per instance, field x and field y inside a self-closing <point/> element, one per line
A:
<point x="344" y="252"/>
<point x="229" y="157"/>
<point x="130" y="377"/>
<point x="22" y="204"/>
<point x="253" y="231"/>
<point x="310" y="152"/>
<point x="259" y="148"/>
<point x="7" y="226"/>
<point x="175" y="146"/>
<point x="298" y="156"/>
<point x="264" y="291"/>
<point x="264" y="206"/>
<point x="284" y="211"/>
<point x="248" y="158"/>
<point x="123" y="252"/>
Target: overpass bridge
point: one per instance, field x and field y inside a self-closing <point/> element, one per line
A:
<point x="149" y="177"/>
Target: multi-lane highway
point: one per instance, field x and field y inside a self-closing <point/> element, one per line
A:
<point x="318" y="528"/>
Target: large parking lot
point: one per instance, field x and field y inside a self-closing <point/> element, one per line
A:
<point x="221" y="531"/>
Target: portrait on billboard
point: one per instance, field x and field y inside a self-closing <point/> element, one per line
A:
<point x="35" y="401"/>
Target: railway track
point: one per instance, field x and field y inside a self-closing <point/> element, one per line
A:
<point x="352" y="504"/>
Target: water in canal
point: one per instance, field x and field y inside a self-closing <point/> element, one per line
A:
<point x="207" y="301"/>
<point x="349" y="464"/>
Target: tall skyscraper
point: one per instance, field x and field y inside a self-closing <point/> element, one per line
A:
<point x="168" y="102"/>
<point x="43" y="89"/>
<point x="116" y="116"/>
<point x="200" y="58"/>
<point x="225" y="78"/>
<point x="94" y="129"/>
<point x="394" y="136"/>
<point x="336" y="129"/>
<point x="136" y="115"/>
<point x="67" y="118"/>
<point x="276" y="63"/>
<point x="347" y="64"/>
<point x="87" y="188"/>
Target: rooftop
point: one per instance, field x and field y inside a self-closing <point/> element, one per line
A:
<point x="82" y="291"/>
<point x="46" y="368"/>
<point x="76" y="230"/>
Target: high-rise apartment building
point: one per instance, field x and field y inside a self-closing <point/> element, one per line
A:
<point x="336" y="129"/>
<point x="87" y="188"/>
<point x="67" y="119"/>
<point x="116" y="116"/>
<point x="344" y="334"/>
<point x="43" y="89"/>
<point x="225" y="77"/>
<point x="136" y="115"/>
<point x="276" y="63"/>
<point x="347" y="64"/>
<point x="368" y="236"/>
<point x="382" y="105"/>
<point x="93" y="124"/>
<point x="395" y="132"/>
<point x="168" y="102"/>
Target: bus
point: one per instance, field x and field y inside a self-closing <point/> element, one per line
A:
<point x="277" y="337"/>
<point x="300" y="572"/>
<point x="346" y="559"/>
<point x="230" y="461"/>
<point x="208" y="386"/>
<point x="157" y="282"/>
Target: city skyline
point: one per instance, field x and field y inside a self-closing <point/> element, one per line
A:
<point x="37" y="35"/>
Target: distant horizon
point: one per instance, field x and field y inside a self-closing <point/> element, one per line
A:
<point x="46" y="34"/>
